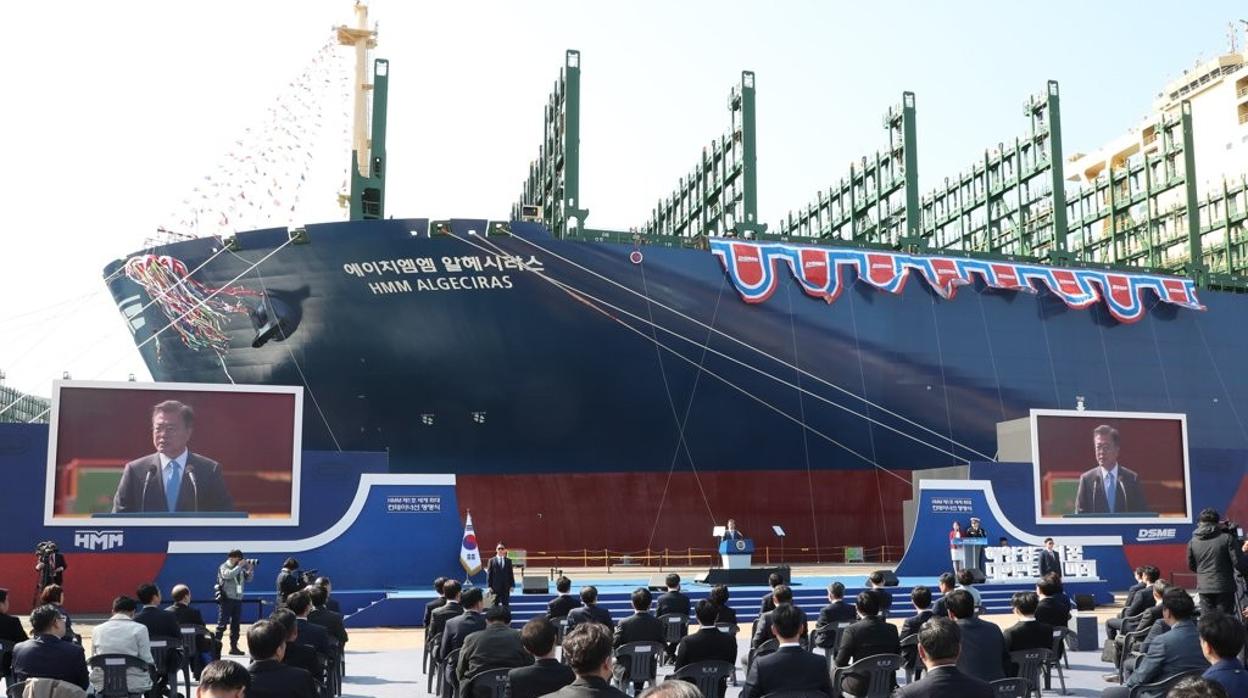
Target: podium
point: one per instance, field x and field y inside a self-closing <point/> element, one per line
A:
<point x="966" y="552"/>
<point x="736" y="554"/>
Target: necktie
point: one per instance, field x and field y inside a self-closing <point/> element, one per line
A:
<point x="173" y="481"/>
<point x="1111" y="492"/>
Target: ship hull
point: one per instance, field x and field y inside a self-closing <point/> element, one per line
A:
<point x="601" y="395"/>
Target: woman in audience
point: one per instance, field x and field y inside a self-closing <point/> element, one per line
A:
<point x="53" y="594"/>
<point x="719" y="597"/>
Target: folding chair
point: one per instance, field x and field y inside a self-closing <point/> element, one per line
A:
<point x="494" y="679"/>
<point x="675" y="627"/>
<point x="828" y="638"/>
<point x="880" y="671"/>
<point x="1030" y="664"/>
<point x="167" y="658"/>
<point x="764" y="649"/>
<point x="641" y="659"/>
<point x="1010" y="688"/>
<point x="15" y="690"/>
<point x="114" y="667"/>
<point x="1060" y="636"/>
<point x="910" y="653"/>
<point x="448" y="682"/>
<point x="1162" y="687"/>
<point x="706" y="676"/>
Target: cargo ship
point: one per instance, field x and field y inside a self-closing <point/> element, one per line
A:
<point x="628" y="390"/>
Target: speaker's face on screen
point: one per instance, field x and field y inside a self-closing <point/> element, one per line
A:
<point x="1106" y="450"/>
<point x="170" y="434"/>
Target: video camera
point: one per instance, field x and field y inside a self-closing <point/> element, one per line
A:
<point x="308" y="577"/>
<point x="46" y="548"/>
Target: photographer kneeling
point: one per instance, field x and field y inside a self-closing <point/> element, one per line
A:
<point x="1213" y="554"/>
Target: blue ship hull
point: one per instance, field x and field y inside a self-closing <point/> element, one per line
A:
<point x="646" y="393"/>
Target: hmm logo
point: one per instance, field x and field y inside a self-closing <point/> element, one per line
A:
<point x="98" y="540"/>
<point x="1156" y="534"/>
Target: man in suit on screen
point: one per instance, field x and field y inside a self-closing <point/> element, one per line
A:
<point x="173" y="479"/>
<point x="1108" y="488"/>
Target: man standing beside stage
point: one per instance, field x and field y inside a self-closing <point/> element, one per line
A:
<point x="500" y="577"/>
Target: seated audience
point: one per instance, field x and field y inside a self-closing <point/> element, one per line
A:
<point x="939" y="650"/>
<point x="1147" y="624"/>
<point x="983" y="646"/>
<point x="451" y="609"/>
<point x="460" y="627"/>
<point x="48" y="655"/>
<point x="1197" y="687"/>
<point x="921" y="599"/>
<point x="438" y="601"/>
<point x="724" y="613"/>
<point x="495" y="647"/>
<point x="297" y="654"/>
<point x="782" y="595"/>
<point x="944" y="585"/>
<point x="330" y="602"/>
<point x="642" y="626"/>
<point x="1054" y="607"/>
<point x="270" y="678"/>
<point x="10" y="628"/>
<point x="562" y="605"/>
<point x="121" y="635"/>
<point x="674" y="601"/>
<point x="300" y="603"/>
<point x="708" y="643"/>
<point x="547" y="674"/>
<point x="768" y="601"/>
<point x="966" y="582"/>
<point x="589" y="611"/>
<point x="875" y="583"/>
<point x="159" y="622"/>
<point x="1173" y="652"/>
<point x="870" y="635"/>
<point x="1027" y="633"/>
<point x="223" y="679"/>
<point x="587" y="649"/>
<point x="53" y="594"/>
<point x="671" y="688"/>
<point x="1139" y="597"/>
<point x="789" y="668"/>
<point x="186" y="614"/>
<point x="1221" y="641"/>
<point x="837" y="611"/>
<point x="321" y="615"/>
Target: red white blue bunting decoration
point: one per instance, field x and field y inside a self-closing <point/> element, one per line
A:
<point x="752" y="268"/>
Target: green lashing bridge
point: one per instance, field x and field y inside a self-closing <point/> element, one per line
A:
<point x="1013" y="201"/>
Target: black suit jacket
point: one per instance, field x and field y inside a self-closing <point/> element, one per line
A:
<point x="159" y="623"/>
<point x="332" y="622"/>
<point x="766" y="604"/>
<point x="836" y="612"/>
<point x="500" y="578"/>
<point x="588" y="687"/>
<point x="457" y="630"/>
<point x="912" y="624"/>
<point x="639" y="627"/>
<point x="314" y="635"/>
<point x="48" y="657"/>
<point x="187" y="615"/>
<point x="431" y="607"/>
<point x="1132" y="592"/>
<point x="561" y="605"/>
<point x="544" y="676"/>
<point x="437" y="622"/>
<point x="939" y="607"/>
<point x="886" y="599"/>
<point x="1050" y="562"/>
<point x="142" y="487"/>
<point x="495" y="647"/>
<point x="11" y="629"/>
<point x="1137" y="604"/>
<point x="762" y="629"/>
<point x="1054" y="610"/>
<point x="862" y="639"/>
<point x="726" y="614"/>
<point x="1027" y="635"/>
<point x="709" y="644"/>
<point x="983" y="653"/>
<point x="272" y="679"/>
<point x="1091" y="499"/>
<point x="787" y="669"/>
<point x="672" y="602"/>
<point x="304" y="657"/>
<point x="587" y="614"/>
<point x="945" y="681"/>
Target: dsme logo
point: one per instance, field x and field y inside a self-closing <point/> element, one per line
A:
<point x="98" y="540"/>
<point x="1156" y="534"/>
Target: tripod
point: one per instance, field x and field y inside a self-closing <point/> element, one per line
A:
<point x="45" y="576"/>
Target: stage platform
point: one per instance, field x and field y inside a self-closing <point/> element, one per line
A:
<point x="405" y="607"/>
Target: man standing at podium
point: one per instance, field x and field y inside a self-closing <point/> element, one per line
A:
<point x="731" y="532"/>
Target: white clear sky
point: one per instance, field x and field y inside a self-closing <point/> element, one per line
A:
<point x="113" y="111"/>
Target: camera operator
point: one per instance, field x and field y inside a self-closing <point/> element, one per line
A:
<point x="1213" y="554"/>
<point x="233" y="574"/>
<point x="289" y="580"/>
<point x="50" y="564"/>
